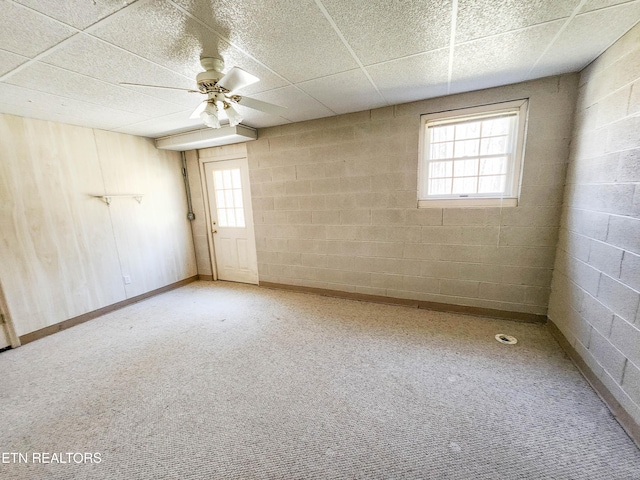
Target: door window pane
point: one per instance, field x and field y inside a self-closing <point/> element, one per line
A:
<point x="228" y="192"/>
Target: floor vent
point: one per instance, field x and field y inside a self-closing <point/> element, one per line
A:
<point x="506" y="339"/>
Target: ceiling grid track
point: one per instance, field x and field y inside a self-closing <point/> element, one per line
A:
<point x="452" y="42"/>
<point x="558" y="33"/>
<point x="333" y="24"/>
<point x="56" y="67"/>
<point x="228" y="40"/>
<point x="87" y="31"/>
<point x="62" y="43"/>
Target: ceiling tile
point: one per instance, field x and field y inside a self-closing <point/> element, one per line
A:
<point x="596" y="4"/>
<point x="290" y="36"/>
<point x="45" y="78"/>
<point x="78" y="13"/>
<point x="256" y="119"/>
<point x="159" y="32"/>
<point x="344" y="92"/>
<point x="380" y="30"/>
<point x="500" y="59"/>
<point x="234" y="58"/>
<point x="573" y="50"/>
<point x="89" y="56"/>
<point x="29" y="103"/>
<point x="300" y="105"/>
<point x="28" y="33"/>
<point x="482" y="18"/>
<point x="52" y="116"/>
<point x="403" y="43"/>
<point x="167" y="125"/>
<point x="413" y="78"/>
<point x="9" y="61"/>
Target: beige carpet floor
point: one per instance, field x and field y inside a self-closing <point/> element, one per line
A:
<point x="229" y="381"/>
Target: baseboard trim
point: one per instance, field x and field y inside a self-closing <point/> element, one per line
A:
<point x="206" y="278"/>
<point x="85" y="317"/>
<point x="440" y="307"/>
<point x="624" y="419"/>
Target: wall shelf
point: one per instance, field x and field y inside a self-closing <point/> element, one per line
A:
<point x="107" y="198"/>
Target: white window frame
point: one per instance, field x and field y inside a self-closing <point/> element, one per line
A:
<point x="514" y="172"/>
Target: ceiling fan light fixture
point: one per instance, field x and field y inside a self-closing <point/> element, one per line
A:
<point x="209" y="115"/>
<point x="232" y="114"/>
<point x="220" y="89"/>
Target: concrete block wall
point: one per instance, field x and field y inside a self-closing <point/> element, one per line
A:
<point x="596" y="284"/>
<point x="335" y="207"/>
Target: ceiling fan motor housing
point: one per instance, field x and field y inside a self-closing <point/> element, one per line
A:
<point x="207" y="80"/>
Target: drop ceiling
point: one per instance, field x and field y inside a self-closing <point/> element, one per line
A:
<point x="65" y="61"/>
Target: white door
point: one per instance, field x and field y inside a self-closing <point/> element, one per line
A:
<point x="234" y="240"/>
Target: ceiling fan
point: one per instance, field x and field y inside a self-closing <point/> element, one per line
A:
<point x="220" y="90"/>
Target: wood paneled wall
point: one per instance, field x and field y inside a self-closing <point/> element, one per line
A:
<point x="63" y="252"/>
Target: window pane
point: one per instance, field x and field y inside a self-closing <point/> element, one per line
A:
<point x="464" y="185"/>
<point x="237" y="198"/>
<point x="231" y="217"/>
<point x="220" y="198"/>
<point x="496" y="126"/>
<point x="228" y="192"/>
<point x="468" y="130"/>
<point x="217" y="179"/>
<point x="440" y="187"/>
<point x="491" y="184"/>
<point x="222" y="217"/>
<point x="465" y="168"/>
<point x="228" y="198"/>
<point x="442" y="134"/>
<point x="440" y="169"/>
<point x="441" y="150"/>
<point x="493" y="145"/>
<point x="491" y="166"/>
<point x="240" y="217"/>
<point x="235" y="175"/>
<point x="226" y="175"/>
<point x="466" y="148"/>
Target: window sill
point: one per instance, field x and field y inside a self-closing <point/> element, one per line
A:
<point x="468" y="202"/>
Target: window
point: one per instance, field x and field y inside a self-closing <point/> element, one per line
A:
<point x="228" y="187"/>
<point x="472" y="157"/>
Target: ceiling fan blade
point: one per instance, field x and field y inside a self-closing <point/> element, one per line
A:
<point x="236" y="78"/>
<point x="260" y="105"/>
<point x="159" y="86"/>
<point x="199" y="109"/>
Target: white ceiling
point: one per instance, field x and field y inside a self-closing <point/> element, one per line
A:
<point x="64" y="61"/>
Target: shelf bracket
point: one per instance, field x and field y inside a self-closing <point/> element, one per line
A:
<point x="109" y="198"/>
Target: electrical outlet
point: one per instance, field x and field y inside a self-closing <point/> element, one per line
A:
<point x="126" y="279"/>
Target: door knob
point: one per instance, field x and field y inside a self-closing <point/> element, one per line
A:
<point x="214" y="231"/>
